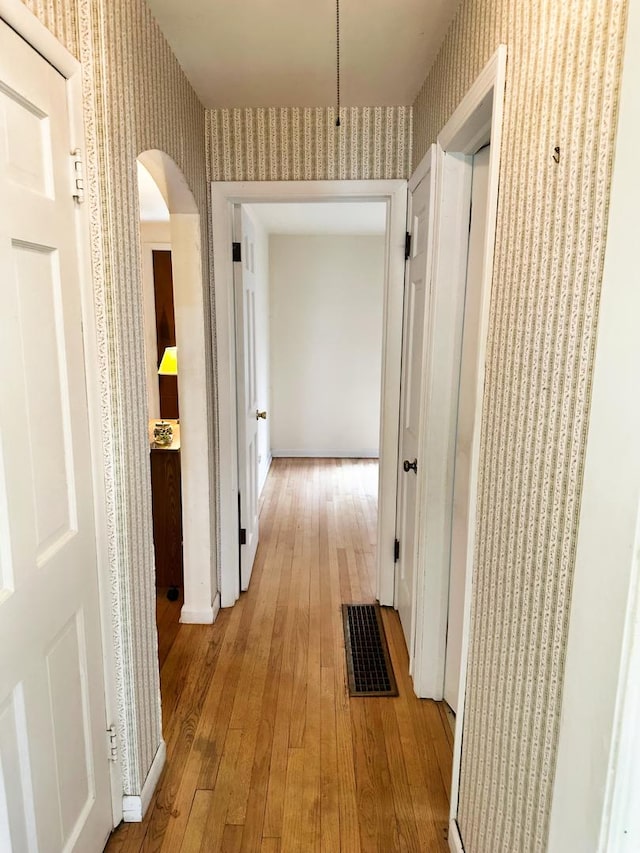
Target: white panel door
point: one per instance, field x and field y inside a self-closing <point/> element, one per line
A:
<point x="464" y="431"/>
<point x="416" y="304"/>
<point x="54" y="772"/>
<point x="247" y="398"/>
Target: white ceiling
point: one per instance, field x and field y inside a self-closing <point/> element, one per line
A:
<point x="282" y="52"/>
<point x="323" y="217"/>
<point x="152" y="205"/>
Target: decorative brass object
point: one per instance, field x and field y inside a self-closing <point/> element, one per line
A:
<point x="163" y="433"/>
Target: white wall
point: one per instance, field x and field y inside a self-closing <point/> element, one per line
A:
<point x="326" y="344"/>
<point x="261" y="250"/>
<point x="153" y="235"/>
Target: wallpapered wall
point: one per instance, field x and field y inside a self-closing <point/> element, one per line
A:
<point x="135" y="98"/>
<point x="562" y="78"/>
<point x="303" y="144"/>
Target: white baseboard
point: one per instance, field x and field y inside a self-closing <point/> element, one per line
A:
<point x="134" y="807"/>
<point x="204" y="616"/>
<point x="325" y="454"/>
<point x="455" y="839"/>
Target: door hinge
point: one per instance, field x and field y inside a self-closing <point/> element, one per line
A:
<point x="396" y="550"/>
<point x="470" y="214"/>
<point x="407" y="246"/>
<point x="78" y="176"/>
<point x="112" y="743"/>
<point x="243" y="536"/>
<point x="237" y="252"/>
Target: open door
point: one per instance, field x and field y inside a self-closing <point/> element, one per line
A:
<point x="54" y="763"/>
<point x="416" y="306"/>
<point x="247" y="403"/>
<point x="465" y="424"/>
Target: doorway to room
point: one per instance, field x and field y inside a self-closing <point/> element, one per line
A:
<point x="225" y="196"/>
<point x="309" y="294"/>
<point x="162" y="399"/>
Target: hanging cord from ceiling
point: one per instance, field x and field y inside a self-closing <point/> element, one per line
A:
<point x="338" y="63"/>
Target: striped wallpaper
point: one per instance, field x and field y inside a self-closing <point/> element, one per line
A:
<point x="303" y="144"/>
<point x="562" y="80"/>
<point x="563" y="72"/>
<point x="136" y="98"/>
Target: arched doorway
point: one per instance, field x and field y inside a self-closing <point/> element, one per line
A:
<point x="200" y="594"/>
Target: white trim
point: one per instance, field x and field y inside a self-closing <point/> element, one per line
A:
<point x="455" y="839"/>
<point x="446" y="311"/>
<point x="477" y="119"/>
<point x="134" y="808"/>
<point x="200" y="581"/>
<point x="492" y="79"/>
<point x="595" y="794"/>
<point x="204" y="616"/>
<point x="620" y="831"/>
<point x="426" y="170"/>
<point x="325" y="454"/>
<point x="224" y="195"/>
<point x="34" y="32"/>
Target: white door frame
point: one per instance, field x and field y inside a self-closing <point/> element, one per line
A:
<point x="426" y="170"/>
<point x="224" y="195"/>
<point x="25" y="23"/>
<point x="477" y="119"/>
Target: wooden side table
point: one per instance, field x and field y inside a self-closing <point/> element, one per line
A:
<point x="167" y="511"/>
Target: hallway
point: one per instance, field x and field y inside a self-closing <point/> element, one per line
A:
<point x="266" y="751"/>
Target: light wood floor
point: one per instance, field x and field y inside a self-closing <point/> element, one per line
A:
<point x="266" y="751"/>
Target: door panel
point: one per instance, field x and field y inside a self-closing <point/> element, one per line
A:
<point x="464" y="430"/>
<point x="418" y="282"/>
<point x="54" y="772"/>
<point x="247" y="402"/>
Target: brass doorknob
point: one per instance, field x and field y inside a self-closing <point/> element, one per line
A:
<point x="260" y="414"/>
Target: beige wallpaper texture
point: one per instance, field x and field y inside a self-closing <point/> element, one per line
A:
<point x="303" y="144"/>
<point x="562" y="79"/>
<point x="135" y="98"/>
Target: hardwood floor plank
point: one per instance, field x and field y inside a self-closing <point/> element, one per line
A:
<point x="216" y="819"/>
<point x="232" y="840"/>
<point x="196" y="825"/>
<point x="266" y="751"/>
<point x="329" y="804"/>
<point x="292" y="813"/>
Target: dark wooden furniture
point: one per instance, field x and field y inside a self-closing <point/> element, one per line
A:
<point x="167" y="510"/>
<point x="165" y="328"/>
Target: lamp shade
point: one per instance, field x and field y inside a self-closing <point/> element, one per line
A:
<point x="169" y="363"/>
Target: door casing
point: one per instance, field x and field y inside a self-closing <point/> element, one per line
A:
<point x="224" y="195"/>
<point x="477" y="119"/>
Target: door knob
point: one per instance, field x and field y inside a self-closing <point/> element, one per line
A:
<point x="410" y="466"/>
<point x="260" y="414"/>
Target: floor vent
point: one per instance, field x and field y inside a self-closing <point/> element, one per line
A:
<point x="368" y="663"/>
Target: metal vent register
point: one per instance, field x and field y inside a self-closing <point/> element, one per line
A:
<point x="368" y="662"/>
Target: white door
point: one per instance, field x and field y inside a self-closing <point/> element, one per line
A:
<point x="464" y="434"/>
<point x="248" y="404"/>
<point x="416" y="304"/>
<point x="54" y="772"/>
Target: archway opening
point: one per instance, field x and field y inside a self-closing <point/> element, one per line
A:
<point x="170" y="221"/>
